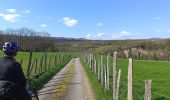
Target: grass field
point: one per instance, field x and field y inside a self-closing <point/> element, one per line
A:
<point x="157" y="71"/>
<point x="62" y="58"/>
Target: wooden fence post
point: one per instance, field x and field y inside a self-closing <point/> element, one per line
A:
<point x="130" y="95"/>
<point x="41" y="62"/>
<point x="58" y="60"/>
<point x="98" y="69"/>
<point x="62" y="58"/>
<point x="84" y="57"/>
<point x="94" y="63"/>
<point x="117" y="85"/>
<point x="88" y="58"/>
<point x="107" y="71"/>
<point x="45" y="61"/>
<point x="39" y="70"/>
<point x="114" y="74"/>
<point x="105" y="77"/>
<point x="31" y="68"/>
<point x="49" y="63"/>
<point x="55" y="60"/>
<point x="95" y="66"/>
<point x="90" y="61"/>
<point x="148" y="87"/>
<point x="29" y="63"/>
<point x="35" y="66"/>
<point x="101" y="69"/>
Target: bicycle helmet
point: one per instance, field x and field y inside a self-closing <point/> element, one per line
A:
<point x="10" y="48"/>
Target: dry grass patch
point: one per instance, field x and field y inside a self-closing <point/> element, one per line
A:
<point x="62" y="88"/>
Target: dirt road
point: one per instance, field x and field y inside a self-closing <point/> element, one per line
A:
<point x="71" y="83"/>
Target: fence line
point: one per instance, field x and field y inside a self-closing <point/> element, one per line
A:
<point x="97" y="65"/>
<point x="38" y="66"/>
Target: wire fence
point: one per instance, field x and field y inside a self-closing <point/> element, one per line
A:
<point x="139" y="90"/>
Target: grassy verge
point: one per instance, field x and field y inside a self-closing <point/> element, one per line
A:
<point x="62" y="88"/>
<point x="45" y="77"/>
<point x="99" y="91"/>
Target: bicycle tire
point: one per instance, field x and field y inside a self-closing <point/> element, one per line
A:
<point x="32" y="92"/>
<point x="34" y="95"/>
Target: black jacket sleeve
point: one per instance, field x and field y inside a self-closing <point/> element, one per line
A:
<point x="21" y="80"/>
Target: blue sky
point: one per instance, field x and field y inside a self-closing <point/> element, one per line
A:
<point x="92" y="19"/>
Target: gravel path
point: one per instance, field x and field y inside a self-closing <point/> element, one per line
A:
<point x="79" y="87"/>
<point x="49" y="89"/>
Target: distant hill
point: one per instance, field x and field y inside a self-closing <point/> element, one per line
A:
<point x="155" y="39"/>
<point x="65" y="39"/>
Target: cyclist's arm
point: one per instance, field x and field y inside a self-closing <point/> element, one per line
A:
<point x="20" y="76"/>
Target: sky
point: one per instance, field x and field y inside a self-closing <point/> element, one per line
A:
<point x="91" y="19"/>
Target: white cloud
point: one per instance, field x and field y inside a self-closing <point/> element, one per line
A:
<point x="100" y="34"/>
<point x="43" y="25"/>
<point x="69" y="22"/>
<point x="11" y="10"/>
<point x="99" y="24"/>
<point x="26" y="11"/>
<point x="122" y="35"/>
<point x="88" y="36"/>
<point x="162" y="31"/>
<point x="10" y="17"/>
<point x="94" y="36"/>
<point x="157" y="18"/>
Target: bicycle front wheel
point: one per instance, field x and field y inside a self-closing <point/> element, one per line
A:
<point x="34" y="95"/>
<point x="32" y="92"/>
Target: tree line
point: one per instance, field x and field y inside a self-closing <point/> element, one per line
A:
<point x="146" y="49"/>
<point x="27" y="38"/>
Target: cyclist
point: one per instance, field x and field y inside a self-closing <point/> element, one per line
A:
<point x="11" y="75"/>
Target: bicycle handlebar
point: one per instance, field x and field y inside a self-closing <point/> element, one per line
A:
<point x="36" y="76"/>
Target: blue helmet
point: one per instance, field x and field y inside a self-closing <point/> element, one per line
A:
<point x="10" y="48"/>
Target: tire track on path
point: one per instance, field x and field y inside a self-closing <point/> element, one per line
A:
<point x="78" y="85"/>
<point x="80" y="88"/>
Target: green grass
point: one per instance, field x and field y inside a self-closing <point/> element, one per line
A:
<point x="38" y="83"/>
<point x="157" y="71"/>
<point x="99" y="91"/>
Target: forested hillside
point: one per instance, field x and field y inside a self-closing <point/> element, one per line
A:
<point x="151" y="49"/>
